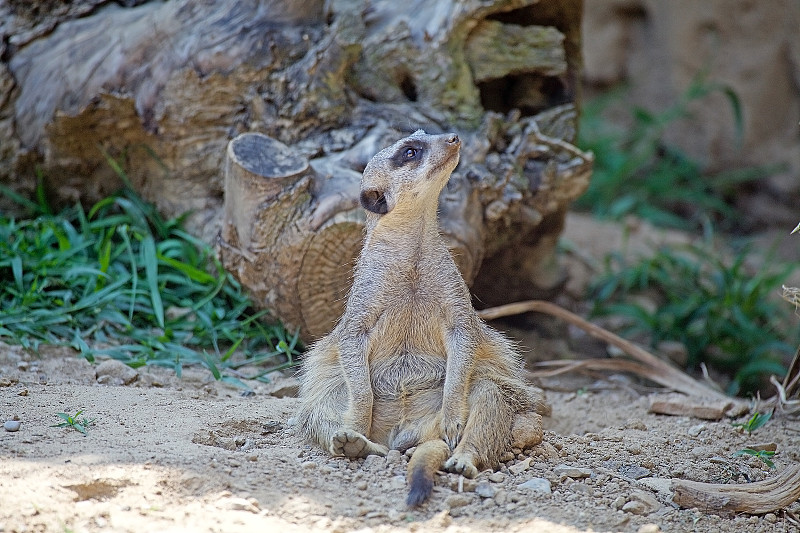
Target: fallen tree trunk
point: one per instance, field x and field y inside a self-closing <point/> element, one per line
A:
<point x="164" y="86"/>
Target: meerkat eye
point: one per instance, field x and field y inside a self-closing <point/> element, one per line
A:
<point x="410" y="153"/>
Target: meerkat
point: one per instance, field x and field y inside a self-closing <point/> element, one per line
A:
<point x="410" y="363"/>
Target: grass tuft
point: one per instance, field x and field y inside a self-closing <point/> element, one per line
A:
<point x="121" y="281"/>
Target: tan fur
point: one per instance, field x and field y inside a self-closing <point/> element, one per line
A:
<point x="410" y="362"/>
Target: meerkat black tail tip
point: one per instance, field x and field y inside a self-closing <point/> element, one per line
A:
<point x="420" y="486"/>
<point x="427" y="459"/>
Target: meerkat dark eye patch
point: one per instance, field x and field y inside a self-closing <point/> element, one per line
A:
<point x="374" y="201"/>
<point x="410" y="152"/>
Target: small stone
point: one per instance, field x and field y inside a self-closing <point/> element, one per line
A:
<point x="113" y="372"/>
<point x="648" y="502"/>
<point x="374" y="463"/>
<point x="308" y="465"/>
<point x="637" y="508"/>
<point x="695" y="430"/>
<point x="537" y="484"/>
<point x="634" y="471"/>
<point x="520" y="467"/>
<point x="484" y="489"/>
<point x="660" y="485"/>
<point x="649" y="528"/>
<point x="458" y="500"/>
<point x="23" y="392"/>
<point x="573" y="472"/>
<point x="361" y="485"/>
<point x="635" y="423"/>
<point x="22" y="366"/>
<point x="506" y="456"/>
<point x="394" y="457"/>
<point x="526" y="431"/>
<point x="771" y="518"/>
<point x="501" y="497"/>
<point x="12" y="425"/>
<point x="634" y="448"/>
<point x="239" y="504"/>
<point x="497" y="477"/>
<point x="619" y="502"/>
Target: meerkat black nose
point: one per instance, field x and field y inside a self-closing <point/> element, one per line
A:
<point x="453" y="139"/>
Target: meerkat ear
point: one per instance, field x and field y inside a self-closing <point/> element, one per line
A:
<point x="375" y="201"/>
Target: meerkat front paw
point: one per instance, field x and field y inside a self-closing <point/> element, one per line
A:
<point x="354" y="445"/>
<point x="461" y="463"/>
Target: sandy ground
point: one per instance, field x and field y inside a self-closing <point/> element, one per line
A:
<point x="196" y="455"/>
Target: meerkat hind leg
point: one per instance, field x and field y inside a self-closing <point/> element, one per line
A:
<point x="353" y="444"/>
<point x="487" y="432"/>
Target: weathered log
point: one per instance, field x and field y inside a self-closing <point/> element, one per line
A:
<point x="753" y="498"/>
<point x="164" y="86"/>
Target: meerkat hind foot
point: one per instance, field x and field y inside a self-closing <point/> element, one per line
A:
<point x="461" y="463"/>
<point x="353" y="444"/>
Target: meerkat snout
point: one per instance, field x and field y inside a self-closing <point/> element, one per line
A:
<point x="415" y="167"/>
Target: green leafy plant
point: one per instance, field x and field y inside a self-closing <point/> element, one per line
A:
<point x="764" y="455"/>
<point x="723" y="313"/>
<point x="636" y="171"/>
<point x="78" y="424"/>
<point x="119" y="280"/>
<point x="754" y="422"/>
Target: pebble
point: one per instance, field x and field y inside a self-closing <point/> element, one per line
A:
<point x="113" y="372"/>
<point x="394" y="457"/>
<point x="660" y="485"/>
<point x="637" y="508"/>
<point x="374" y="463"/>
<point x="520" y="467"/>
<point x="695" y="430"/>
<point x="634" y="471"/>
<point x="23" y="392"/>
<point x="537" y="484"/>
<point x="573" y="472"/>
<point x="500" y="497"/>
<point x="649" y="528"/>
<point x="771" y="518"/>
<point x="308" y="465"/>
<point x="12" y="425"/>
<point x="619" y="502"/>
<point x="458" y="500"/>
<point x="239" y="504"/>
<point x="497" y="477"/>
<point x="361" y="485"/>
<point x="484" y="489"/>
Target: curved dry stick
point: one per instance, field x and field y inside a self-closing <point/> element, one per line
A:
<point x="753" y="498"/>
<point x="672" y="377"/>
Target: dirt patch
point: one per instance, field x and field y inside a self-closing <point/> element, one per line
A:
<point x="197" y="455"/>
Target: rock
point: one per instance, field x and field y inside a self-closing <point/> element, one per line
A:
<point x="501" y="497"/>
<point x="634" y="471"/>
<point x="635" y="423"/>
<point x="394" y="457"/>
<point x="506" y="456"/>
<point x="497" y="477"/>
<point x="113" y="372"/>
<point x="308" y="465"/>
<point x="12" y="425"/>
<point x="695" y="430"/>
<point x="374" y="463"/>
<point x="458" y="500"/>
<point x="648" y="503"/>
<point x="361" y="485"/>
<point x="537" y="484"/>
<point x="649" y="528"/>
<point x="637" y="508"/>
<point x="484" y="489"/>
<point x="573" y="472"/>
<point x="520" y="467"/>
<point x="526" y="431"/>
<point x="659" y="485"/>
<point x="619" y="502"/>
<point x="238" y="504"/>
<point x="283" y="387"/>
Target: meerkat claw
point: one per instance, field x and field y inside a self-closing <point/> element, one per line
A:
<point x="461" y="464"/>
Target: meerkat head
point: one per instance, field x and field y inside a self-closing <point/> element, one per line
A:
<point x="410" y="173"/>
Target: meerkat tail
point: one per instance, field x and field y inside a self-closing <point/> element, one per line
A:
<point x="427" y="459"/>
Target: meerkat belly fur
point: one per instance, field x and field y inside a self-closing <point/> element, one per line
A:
<point x="410" y="363"/>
